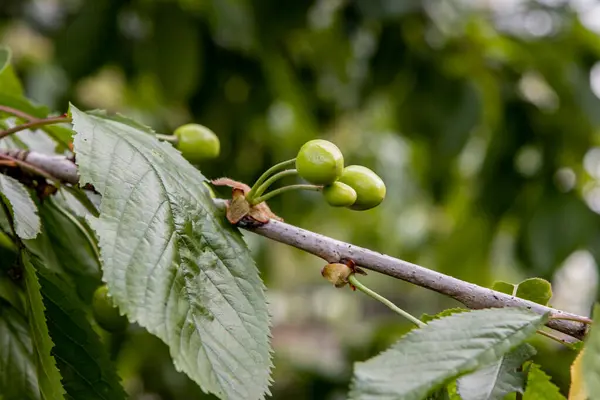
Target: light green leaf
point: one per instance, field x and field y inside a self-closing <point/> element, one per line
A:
<point x="48" y="375"/>
<point x="591" y="358"/>
<point x="172" y="262"/>
<point x="447" y="312"/>
<point x="498" y="379"/>
<point x="81" y="357"/>
<point x="539" y="386"/>
<point x="9" y="83"/>
<point x="427" y="358"/>
<point x="18" y="375"/>
<point x="537" y="290"/>
<point x="504" y="287"/>
<point x="24" y="210"/>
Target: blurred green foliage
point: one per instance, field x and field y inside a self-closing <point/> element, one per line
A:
<point x="482" y="120"/>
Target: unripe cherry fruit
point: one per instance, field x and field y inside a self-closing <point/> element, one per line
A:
<point x="370" y="189"/>
<point x="197" y="143"/>
<point x="339" y="194"/>
<point x="106" y="313"/>
<point x="320" y="162"/>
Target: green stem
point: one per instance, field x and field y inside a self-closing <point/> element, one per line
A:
<point x="283" y="190"/>
<point x="583" y="320"/>
<point x="34" y="124"/>
<point x="555" y="338"/>
<point x="275" y="168"/>
<point x="167" y="138"/>
<point x="17" y="113"/>
<point x="262" y="188"/>
<point x="352" y="279"/>
<point x="31" y="118"/>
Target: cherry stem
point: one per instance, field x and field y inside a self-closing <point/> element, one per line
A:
<point x="18" y="113"/>
<point x="555" y="338"/>
<point x="31" y="118"/>
<point x="275" y="168"/>
<point x="583" y="320"/>
<point x="353" y="281"/>
<point x="284" y="189"/>
<point x="34" y="124"/>
<point x="168" y="138"/>
<point x="262" y="188"/>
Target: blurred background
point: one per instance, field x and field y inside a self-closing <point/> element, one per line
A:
<point x="482" y="117"/>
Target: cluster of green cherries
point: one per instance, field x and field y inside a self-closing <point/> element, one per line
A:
<point x="321" y="163"/>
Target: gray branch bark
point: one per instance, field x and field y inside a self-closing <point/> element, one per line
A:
<point x="331" y="250"/>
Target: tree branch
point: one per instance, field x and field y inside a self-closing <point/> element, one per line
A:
<point x="332" y="250"/>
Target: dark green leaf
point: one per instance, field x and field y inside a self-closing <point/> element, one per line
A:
<point x="591" y="358"/>
<point x="537" y="290"/>
<point x="24" y="210"/>
<point x="18" y="375"/>
<point x="539" y="386"/>
<point x="67" y="246"/>
<point x="87" y="372"/>
<point x="497" y="380"/>
<point x="11" y="292"/>
<point x="427" y="358"/>
<point x="171" y="261"/>
<point x="48" y="375"/>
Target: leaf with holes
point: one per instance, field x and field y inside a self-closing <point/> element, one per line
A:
<point x="24" y="210"/>
<point x="427" y="358"/>
<point x="171" y="261"/>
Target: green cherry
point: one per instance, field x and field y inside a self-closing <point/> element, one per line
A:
<point x="197" y="143"/>
<point x="370" y="189"/>
<point x="105" y="312"/>
<point x="320" y="162"/>
<point x="339" y="194"/>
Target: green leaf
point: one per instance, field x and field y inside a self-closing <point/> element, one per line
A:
<point x="48" y="375"/>
<point x="539" y="386"/>
<point x="427" y="358"/>
<point x="24" y="210"/>
<point x="9" y="83"/>
<point x="4" y="58"/>
<point x="171" y="261"/>
<point x="428" y="318"/>
<point x="87" y="371"/>
<point x="591" y="358"/>
<point x="497" y="380"/>
<point x="66" y="246"/>
<point x="504" y="287"/>
<point x="537" y="290"/>
<point x="11" y="292"/>
<point x="18" y="375"/>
